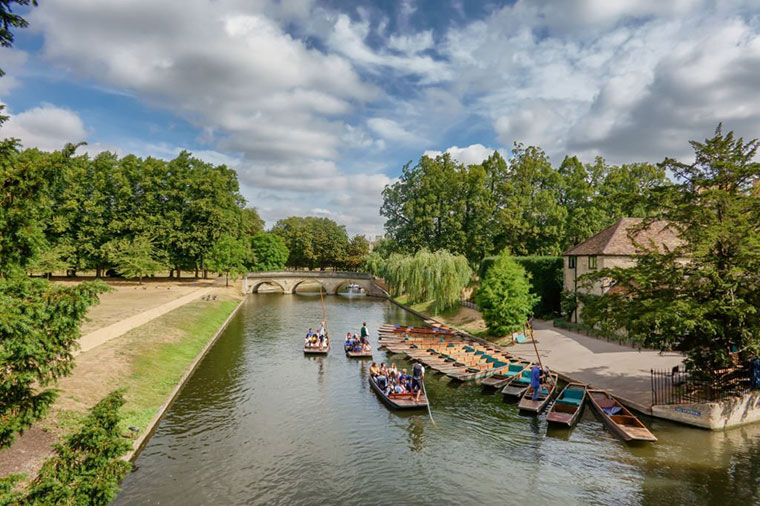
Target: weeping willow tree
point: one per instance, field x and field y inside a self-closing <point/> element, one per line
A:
<point x="438" y="276"/>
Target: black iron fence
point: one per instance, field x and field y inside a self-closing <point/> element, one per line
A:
<point x="683" y="387"/>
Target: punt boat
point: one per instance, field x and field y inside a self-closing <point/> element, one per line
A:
<point x="568" y="406"/>
<point x="399" y="401"/>
<point x="500" y="379"/>
<point x="619" y="420"/>
<point x="519" y="383"/>
<point x="544" y="396"/>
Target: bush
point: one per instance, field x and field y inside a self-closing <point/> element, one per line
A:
<point x="545" y="277"/>
<point x="86" y="468"/>
<point x="504" y="297"/>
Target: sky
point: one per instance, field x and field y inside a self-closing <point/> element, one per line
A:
<point x="319" y="104"/>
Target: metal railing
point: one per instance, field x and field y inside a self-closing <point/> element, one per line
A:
<point x="681" y="387"/>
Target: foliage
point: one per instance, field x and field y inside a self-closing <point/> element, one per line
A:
<point x="358" y="249"/>
<point x="86" y="468"/>
<point x="703" y="296"/>
<point x="9" y="20"/>
<point x="313" y="242"/>
<point x="228" y="256"/>
<point x="51" y="260"/>
<point x="267" y="252"/>
<point x="545" y="274"/>
<point x="522" y="203"/>
<point x="504" y="296"/>
<point x="136" y="258"/>
<point x="568" y="304"/>
<point x="438" y="276"/>
<point x="39" y="329"/>
<point x="252" y="222"/>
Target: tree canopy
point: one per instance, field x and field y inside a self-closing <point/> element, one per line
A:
<point x="523" y="203"/>
<point x="313" y="242"/>
<point x="703" y="296"/>
<point x="267" y="252"/>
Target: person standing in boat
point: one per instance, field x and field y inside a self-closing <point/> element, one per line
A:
<point x="364" y="332"/>
<point x="536" y="374"/>
<point x="418" y="376"/>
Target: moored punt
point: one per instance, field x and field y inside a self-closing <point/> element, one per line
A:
<point x="527" y="403"/>
<point x="399" y="329"/>
<point x="500" y="379"/>
<point x="568" y="406"/>
<point x="617" y="417"/>
<point x="399" y="401"/>
<point x="517" y="386"/>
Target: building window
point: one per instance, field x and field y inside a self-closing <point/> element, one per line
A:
<point x="571" y="262"/>
<point x="592" y="262"/>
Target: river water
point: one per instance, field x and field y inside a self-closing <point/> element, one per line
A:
<point x="260" y="423"/>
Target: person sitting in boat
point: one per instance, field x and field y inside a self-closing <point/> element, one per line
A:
<point x="374" y="370"/>
<point x="348" y="345"/>
<point x="383" y="369"/>
<point x="381" y="381"/>
<point x="398" y="388"/>
<point x="393" y="369"/>
<point x="406" y="380"/>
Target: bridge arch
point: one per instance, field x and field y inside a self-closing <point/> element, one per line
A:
<point x="321" y="284"/>
<point x="257" y="284"/>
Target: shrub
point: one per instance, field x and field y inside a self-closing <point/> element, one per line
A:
<point x="545" y="277"/>
<point x="504" y="297"/>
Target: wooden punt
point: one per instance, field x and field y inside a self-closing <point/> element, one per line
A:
<point x="500" y="379"/>
<point x="527" y="403"/>
<point x="359" y="354"/>
<point x="399" y="401"/>
<point x="317" y="350"/>
<point x="399" y="329"/>
<point x="568" y="406"/>
<point x="622" y="423"/>
<point x="519" y="383"/>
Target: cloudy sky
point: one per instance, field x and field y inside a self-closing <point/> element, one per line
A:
<point x="318" y="104"/>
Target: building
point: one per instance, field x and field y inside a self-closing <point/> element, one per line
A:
<point x="613" y="247"/>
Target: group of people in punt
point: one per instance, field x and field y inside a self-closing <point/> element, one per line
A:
<point x="318" y="339"/>
<point x="392" y="381"/>
<point x="358" y="343"/>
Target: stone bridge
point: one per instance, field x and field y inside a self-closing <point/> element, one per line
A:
<point x="331" y="281"/>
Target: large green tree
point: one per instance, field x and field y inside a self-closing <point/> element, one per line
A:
<point x="313" y="242"/>
<point x="703" y="296"/>
<point x="268" y="252"/>
<point x="228" y="256"/>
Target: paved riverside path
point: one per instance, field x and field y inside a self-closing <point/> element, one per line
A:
<point x="622" y="370"/>
<point x="105" y="334"/>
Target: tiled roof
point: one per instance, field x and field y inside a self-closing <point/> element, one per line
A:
<point x="615" y="240"/>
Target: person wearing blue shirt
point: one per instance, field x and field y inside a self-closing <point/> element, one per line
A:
<point x="535" y="380"/>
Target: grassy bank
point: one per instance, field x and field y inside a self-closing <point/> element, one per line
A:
<point x="147" y="362"/>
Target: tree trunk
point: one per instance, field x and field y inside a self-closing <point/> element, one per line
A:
<point x="139" y="280"/>
<point x="179" y="272"/>
<point x="227" y="280"/>
<point x="205" y="273"/>
<point x="196" y="271"/>
<point x="171" y="273"/>
<point x="97" y="272"/>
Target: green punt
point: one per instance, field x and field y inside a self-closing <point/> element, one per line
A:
<point x="498" y="380"/>
<point x="568" y="407"/>
<point x="517" y="386"/>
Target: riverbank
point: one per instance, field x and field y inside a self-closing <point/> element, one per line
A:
<point x="149" y="361"/>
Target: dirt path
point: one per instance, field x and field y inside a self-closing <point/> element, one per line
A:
<point x="119" y="328"/>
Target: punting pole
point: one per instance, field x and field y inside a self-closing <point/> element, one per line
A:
<point x="427" y="401"/>
<point x="324" y="313"/>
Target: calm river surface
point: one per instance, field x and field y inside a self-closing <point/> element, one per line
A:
<point x="260" y="423"/>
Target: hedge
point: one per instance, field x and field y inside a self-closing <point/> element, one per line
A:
<point x="546" y="279"/>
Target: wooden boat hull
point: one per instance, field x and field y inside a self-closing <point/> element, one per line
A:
<point x="623" y="424"/>
<point x="359" y="354"/>
<point x="528" y="405"/>
<point x="401" y="403"/>
<point x="567" y="414"/>
<point x="316" y="351"/>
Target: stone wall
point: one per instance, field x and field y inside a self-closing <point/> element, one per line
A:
<point x="714" y="415"/>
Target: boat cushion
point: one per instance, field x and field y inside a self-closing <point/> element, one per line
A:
<point x="573" y="394"/>
<point x="572" y="402"/>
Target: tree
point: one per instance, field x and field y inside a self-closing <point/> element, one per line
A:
<point x="505" y="297"/>
<point x="39" y="329"/>
<point x="86" y="468"/>
<point x="9" y="20"/>
<point x="136" y="258"/>
<point x="313" y="242"/>
<point x="267" y="253"/>
<point x="228" y="256"/>
<point x="358" y="248"/>
<point x="51" y="260"/>
<point x="438" y="276"/>
<point x="701" y="297"/>
<point x="252" y="222"/>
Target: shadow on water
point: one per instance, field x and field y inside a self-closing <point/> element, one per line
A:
<point x="261" y="423"/>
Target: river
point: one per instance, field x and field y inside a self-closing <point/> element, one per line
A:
<point x="260" y="423"/>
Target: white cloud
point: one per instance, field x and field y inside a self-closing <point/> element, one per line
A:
<point x="470" y="155"/>
<point x="392" y="131"/>
<point x="12" y="61"/>
<point x="46" y="127"/>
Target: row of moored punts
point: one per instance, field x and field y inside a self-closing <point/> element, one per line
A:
<point x="463" y="358"/>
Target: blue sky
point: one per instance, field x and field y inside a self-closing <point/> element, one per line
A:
<point x="319" y="104"/>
